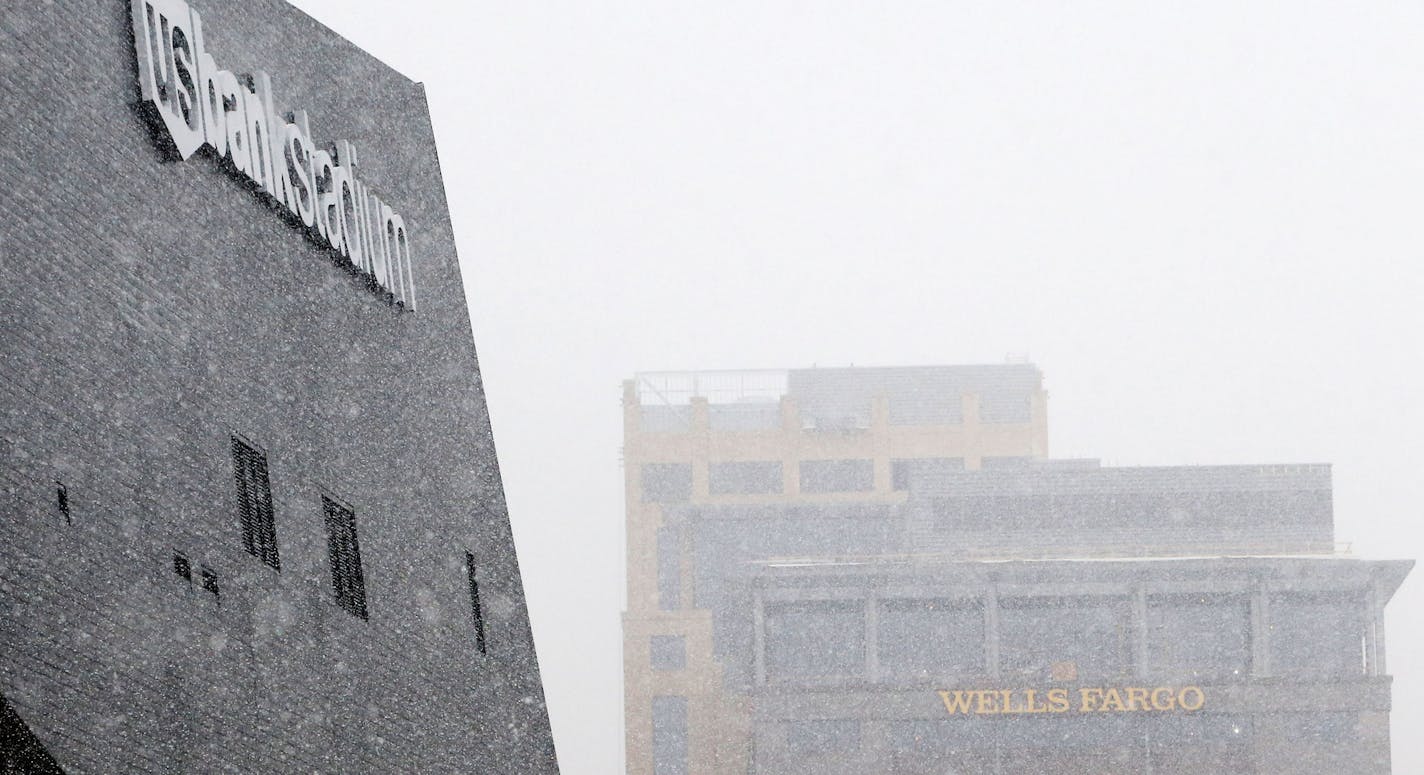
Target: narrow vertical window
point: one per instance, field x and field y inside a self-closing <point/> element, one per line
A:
<point x="667" y="652"/>
<point x="61" y="499"/>
<point x="254" y="503"/>
<point x="183" y="568"/>
<point x="669" y="735"/>
<point x="346" y="575"/>
<point x="669" y="568"/>
<point x="476" y="612"/>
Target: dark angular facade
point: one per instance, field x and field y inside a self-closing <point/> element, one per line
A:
<point x="252" y="518"/>
<point x="1053" y="620"/>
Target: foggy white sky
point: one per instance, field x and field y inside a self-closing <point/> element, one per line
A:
<point x="1203" y="221"/>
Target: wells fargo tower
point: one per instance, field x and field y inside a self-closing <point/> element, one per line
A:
<point x="880" y="570"/>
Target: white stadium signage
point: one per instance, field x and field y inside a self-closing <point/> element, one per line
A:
<point x="200" y="105"/>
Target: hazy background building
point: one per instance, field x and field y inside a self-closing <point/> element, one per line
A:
<point x="806" y="436"/>
<point x="853" y="570"/>
<point x="251" y="517"/>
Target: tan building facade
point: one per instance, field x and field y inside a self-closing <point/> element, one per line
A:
<point x="784" y="437"/>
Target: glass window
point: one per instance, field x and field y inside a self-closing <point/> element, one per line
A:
<point x="665" y="419"/>
<point x="903" y="473"/>
<point x="1199" y="635"/>
<point x="823" y="736"/>
<point x="837" y="475"/>
<point x="667" y="482"/>
<point x="1065" y="638"/>
<point x="346" y="574"/>
<point x="254" y="503"/>
<point x="668" y="652"/>
<point x="815" y="639"/>
<point x="1317" y="634"/>
<point x="744" y="417"/>
<point x="477" y="614"/>
<point x="669" y="568"/>
<point x="931" y="638"/>
<point x="669" y="735"/>
<point x="1000" y="462"/>
<point x="756" y="477"/>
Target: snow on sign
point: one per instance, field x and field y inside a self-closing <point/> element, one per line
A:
<point x="1087" y="699"/>
<point x="199" y="105"/>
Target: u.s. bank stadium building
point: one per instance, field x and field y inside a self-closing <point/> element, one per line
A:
<point x="252" y="518"/>
<point x="880" y="570"/>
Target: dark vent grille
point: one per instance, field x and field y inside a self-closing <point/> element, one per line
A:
<point x="254" y="503"/>
<point x="182" y="567"/>
<point x="346" y="575"/>
<point x="476" y="612"/>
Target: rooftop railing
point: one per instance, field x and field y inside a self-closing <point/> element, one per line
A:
<point x="1339" y="549"/>
<point x="673" y="388"/>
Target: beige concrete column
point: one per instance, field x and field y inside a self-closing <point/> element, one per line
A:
<point x="701" y="428"/>
<point x="1038" y="411"/>
<point x="791" y="425"/>
<point x="973" y="445"/>
<point x="879" y="443"/>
